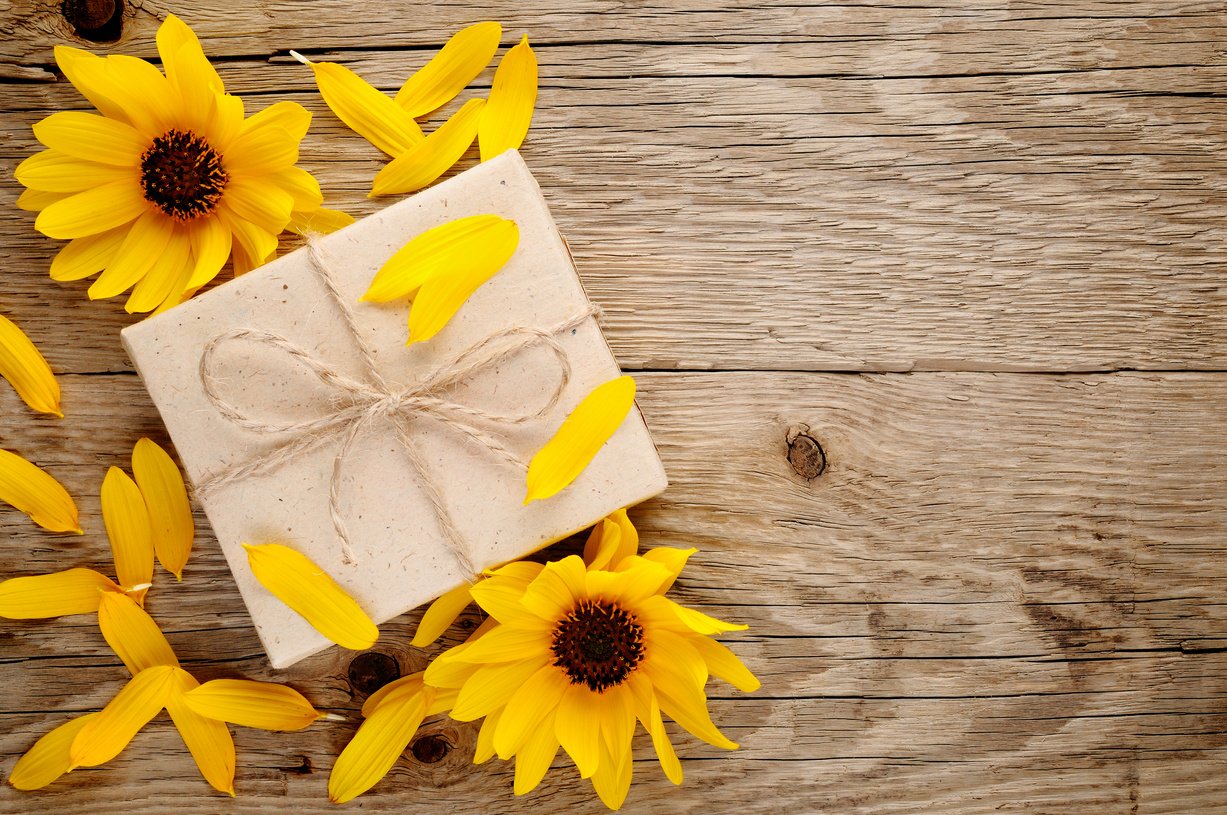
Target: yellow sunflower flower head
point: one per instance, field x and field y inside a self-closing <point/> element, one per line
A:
<point x="169" y="179"/>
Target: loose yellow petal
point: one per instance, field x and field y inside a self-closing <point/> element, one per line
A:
<point x="432" y="156"/>
<point x="307" y="589"/>
<point x="504" y="124"/>
<point x="263" y="705"/>
<point x="376" y="746"/>
<point x="92" y="211"/>
<point x="580" y="438"/>
<point x="476" y="246"/>
<point x="27" y="371"/>
<point x="106" y="735"/>
<point x="37" y="494"/>
<point x="208" y="740"/>
<point x="170" y="513"/>
<point x="364" y="108"/>
<point x="91" y="137"/>
<point x="320" y="221"/>
<point x="48" y="759"/>
<point x="127" y="523"/>
<point x="83" y="257"/>
<point x="437" y="82"/>
<point x="75" y="591"/>
<point x="441" y="614"/>
<point x="133" y="635"/>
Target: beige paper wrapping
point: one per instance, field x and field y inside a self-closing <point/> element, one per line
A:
<point x="402" y="561"/>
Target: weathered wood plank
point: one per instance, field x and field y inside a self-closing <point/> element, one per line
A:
<point x="1057" y="222"/>
<point x="997" y="578"/>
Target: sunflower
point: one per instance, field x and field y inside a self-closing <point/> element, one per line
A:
<point x="171" y="180"/>
<point x="573" y="655"/>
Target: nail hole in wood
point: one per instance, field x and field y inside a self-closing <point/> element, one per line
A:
<point x="805" y="454"/>
<point x="371" y="671"/>
<point x="430" y="749"/>
<point x="95" y="20"/>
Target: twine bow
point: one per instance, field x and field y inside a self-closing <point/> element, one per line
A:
<point x="366" y="403"/>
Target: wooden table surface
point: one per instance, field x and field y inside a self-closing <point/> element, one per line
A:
<point x="927" y="306"/>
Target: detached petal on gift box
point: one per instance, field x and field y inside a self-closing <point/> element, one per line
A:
<point x="306" y="588"/>
<point x="75" y="591"/>
<point x="505" y="121"/>
<point x="433" y="156"/>
<point x="27" y="371"/>
<point x="127" y="523"/>
<point x="437" y="82"/>
<point x="170" y="513"/>
<point x="263" y="705"/>
<point x="580" y="438"/>
<point x="48" y="759"/>
<point x="37" y="494"/>
<point x="364" y="108"/>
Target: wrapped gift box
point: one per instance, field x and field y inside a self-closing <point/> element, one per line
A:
<point x="400" y="558"/>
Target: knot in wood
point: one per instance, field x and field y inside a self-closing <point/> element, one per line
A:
<point x="94" y="20"/>
<point x="805" y="454"/>
<point x="371" y="671"/>
<point x="430" y="749"/>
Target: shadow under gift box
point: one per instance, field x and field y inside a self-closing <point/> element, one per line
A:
<point x="401" y="558"/>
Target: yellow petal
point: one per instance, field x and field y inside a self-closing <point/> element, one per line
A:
<point x="437" y="82"/>
<point x="37" y="494"/>
<point x="672" y="559"/>
<point x="485" y="738"/>
<point x="148" y="99"/>
<point x="441" y="614"/>
<point x="208" y="740"/>
<point x="302" y="187"/>
<point x="142" y="249"/>
<point x="93" y="211"/>
<point x="27" y="371"/>
<point x="678" y="683"/>
<point x="211" y="243"/>
<point x="291" y="116"/>
<point x="527" y="709"/>
<point x="432" y="156"/>
<point x="536" y="756"/>
<point x="261" y="150"/>
<point x="577" y="727"/>
<point x="441" y="296"/>
<point x="48" y="759"/>
<point x="617" y="717"/>
<point x="476" y="246"/>
<point x="306" y="588"/>
<point x="107" y="734"/>
<point x="502" y="600"/>
<point x="92" y="138"/>
<point x="170" y="513"/>
<point x="396" y="692"/>
<point x="724" y="663"/>
<point x="680" y="619"/>
<point x="127" y="523"/>
<point x="504" y="124"/>
<point x="83" y="257"/>
<point x="491" y="686"/>
<point x="580" y="438"/>
<point x="168" y="273"/>
<point x="90" y="76"/>
<point x="250" y="245"/>
<point x="612" y="780"/>
<point x="75" y="591"/>
<point x="554" y="591"/>
<point x="506" y="643"/>
<point x="664" y="747"/>
<point x="225" y="121"/>
<point x="38" y="200"/>
<point x="133" y="635"/>
<point x="264" y="705"/>
<point x="186" y="66"/>
<point x="265" y="205"/>
<point x="54" y="171"/>
<point x="375" y="748"/>
<point x="320" y="221"/>
<point x="364" y="108"/>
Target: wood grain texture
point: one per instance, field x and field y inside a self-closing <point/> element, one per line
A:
<point x="977" y="587"/>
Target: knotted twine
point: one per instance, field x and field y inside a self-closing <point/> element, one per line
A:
<point x="369" y="402"/>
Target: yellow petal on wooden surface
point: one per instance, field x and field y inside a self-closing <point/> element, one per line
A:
<point x="580" y="438"/>
<point x="364" y="108"/>
<point x="477" y="243"/>
<point x="127" y="523"/>
<point x="27" y="371"/>
<point x="74" y="591"/>
<point x="107" y="734"/>
<point x="509" y="111"/>
<point x="432" y="156"/>
<point x="245" y="702"/>
<point x="37" y="494"/>
<point x="306" y="588"/>
<point x="376" y="746"/>
<point x="48" y="759"/>
<point x="170" y="512"/>
<point x="436" y="83"/>
<point x="208" y="740"/>
<point x="442" y="295"/>
<point x="133" y="635"/>
<point x="441" y="614"/>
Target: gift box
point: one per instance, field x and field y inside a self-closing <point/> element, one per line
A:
<point x="301" y="416"/>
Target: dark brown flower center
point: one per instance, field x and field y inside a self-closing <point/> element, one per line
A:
<point x="182" y="175"/>
<point x="598" y="644"/>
